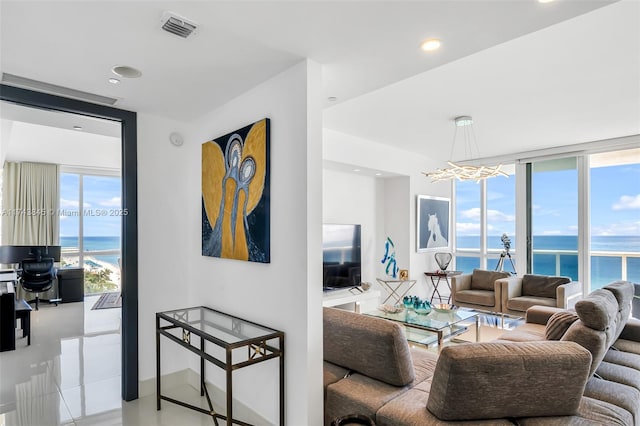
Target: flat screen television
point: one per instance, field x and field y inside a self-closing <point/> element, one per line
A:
<point x="341" y="256"/>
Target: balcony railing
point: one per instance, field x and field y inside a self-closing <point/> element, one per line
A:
<point x="606" y="266"/>
<point x="93" y="262"/>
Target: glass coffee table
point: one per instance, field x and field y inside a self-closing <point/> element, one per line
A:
<point x="437" y="322"/>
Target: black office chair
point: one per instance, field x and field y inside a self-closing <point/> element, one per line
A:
<point x="37" y="276"/>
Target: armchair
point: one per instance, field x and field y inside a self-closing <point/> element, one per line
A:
<point x="478" y="290"/>
<point x="520" y="293"/>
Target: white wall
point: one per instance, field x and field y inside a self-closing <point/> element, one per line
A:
<point x="395" y="197"/>
<point x="396" y="221"/>
<point x="162" y="237"/>
<point x="5" y="134"/>
<point x="286" y="293"/>
<point x="350" y="198"/>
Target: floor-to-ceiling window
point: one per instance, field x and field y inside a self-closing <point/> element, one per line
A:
<point x="501" y="221"/>
<point x="554" y="211"/>
<point x="580" y="217"/>
<point x="468" y="225"/>
<point x="615" y="217"/>
<point x="485" y="221"/>
<point x="90" y="224"/>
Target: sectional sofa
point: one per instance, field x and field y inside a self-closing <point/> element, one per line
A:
<point x="561" y="367"/>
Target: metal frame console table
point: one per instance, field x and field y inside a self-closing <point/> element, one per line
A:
<point x="395" y="294"/>
<point x="243" y="343"/>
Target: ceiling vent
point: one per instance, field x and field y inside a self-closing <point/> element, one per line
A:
<point x="176" y="24"/>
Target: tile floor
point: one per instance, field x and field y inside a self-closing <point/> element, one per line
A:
<point x="70" y="375"/>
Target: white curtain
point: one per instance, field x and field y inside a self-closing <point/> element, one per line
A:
<point x="30" y="202"/>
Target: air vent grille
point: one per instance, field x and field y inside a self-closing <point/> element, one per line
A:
<point x="177" y="25"/>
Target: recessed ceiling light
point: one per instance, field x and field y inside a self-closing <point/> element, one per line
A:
<point x="114" y="81"/>
<point x="77" y="128"/>
<point x="430" y="44"/>
<point x="356" y="170"/>
<point x="545" y="1"/>
<point x="378" y="174"/>
<point x="126" y="71"/>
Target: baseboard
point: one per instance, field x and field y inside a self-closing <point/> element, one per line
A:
<point x="148" y="387"/>
<point x="192" y="378"/>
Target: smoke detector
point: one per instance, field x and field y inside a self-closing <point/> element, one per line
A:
<point x="178" y="25"/>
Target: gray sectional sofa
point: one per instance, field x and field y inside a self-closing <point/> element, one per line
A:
<point x="588" y="375"/>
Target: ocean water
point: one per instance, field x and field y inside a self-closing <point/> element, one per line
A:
<point x="604" y="269"/>
<point x="96" y="243"/>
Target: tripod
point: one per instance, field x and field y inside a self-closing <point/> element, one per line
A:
<point x="500" y="265"/>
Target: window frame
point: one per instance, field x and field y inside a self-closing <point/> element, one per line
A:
<point x="523" y="166"/>
<point x="81" y="172"/>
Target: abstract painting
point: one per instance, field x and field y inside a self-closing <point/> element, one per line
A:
<point x="235" y="194"/>
<point x="433" y="218"/>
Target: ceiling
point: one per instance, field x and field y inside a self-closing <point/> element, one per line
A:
<point x="532" y="75"/>
<point x="49" y="137"/>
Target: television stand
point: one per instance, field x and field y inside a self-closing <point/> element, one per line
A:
<point x="358" y="301"/>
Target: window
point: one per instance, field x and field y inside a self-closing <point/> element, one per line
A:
<point x="615" y="217"/>
<point x="479" y="229"/>
<point x="554" y="211"/>
<point x="501" y="220"/>
<point x="467" y="201"/>
<point x="577" y="216"/>
<point x="90" y="226"/>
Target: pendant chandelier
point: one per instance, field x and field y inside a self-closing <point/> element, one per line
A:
<point x="465" y="172"/>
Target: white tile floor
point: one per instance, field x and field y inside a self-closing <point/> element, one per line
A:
<point x="70" y="375"/>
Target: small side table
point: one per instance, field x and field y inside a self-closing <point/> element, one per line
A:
<point x="394" y="288"/>
<point x="436" y="277"/>
<point x="23" y="313"/>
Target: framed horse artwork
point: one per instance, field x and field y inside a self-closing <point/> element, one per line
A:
<point x="433" y="223"/>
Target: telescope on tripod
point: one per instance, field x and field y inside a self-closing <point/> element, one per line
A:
<point x="506" y="243"/>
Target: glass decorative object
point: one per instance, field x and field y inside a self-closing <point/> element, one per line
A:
<point x="443" y="260"/>
<point x="422" y="307"/>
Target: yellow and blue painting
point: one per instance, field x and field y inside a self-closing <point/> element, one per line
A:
<point x="235" y="194"/>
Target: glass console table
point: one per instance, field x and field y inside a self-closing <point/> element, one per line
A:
<point x="205" y="332"/>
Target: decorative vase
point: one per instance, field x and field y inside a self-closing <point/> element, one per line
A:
<point x="408" y="302"/>
<point x="422" y="307"/>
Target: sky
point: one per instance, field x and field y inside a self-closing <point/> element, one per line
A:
<point x="101" y="208"/>
<point x="615" y="203"/>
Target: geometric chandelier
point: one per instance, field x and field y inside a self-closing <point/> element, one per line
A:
<point x="465" y="172"/>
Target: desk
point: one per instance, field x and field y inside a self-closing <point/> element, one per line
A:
<point x="243" y="343"/>
<point x="394" y="293"/>
<point x="436" y="277"/>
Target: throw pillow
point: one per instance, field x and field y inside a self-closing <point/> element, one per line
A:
<point x="484" y="280"/>
<point x="558" y="324"/>
<point x="542" y="285"/>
